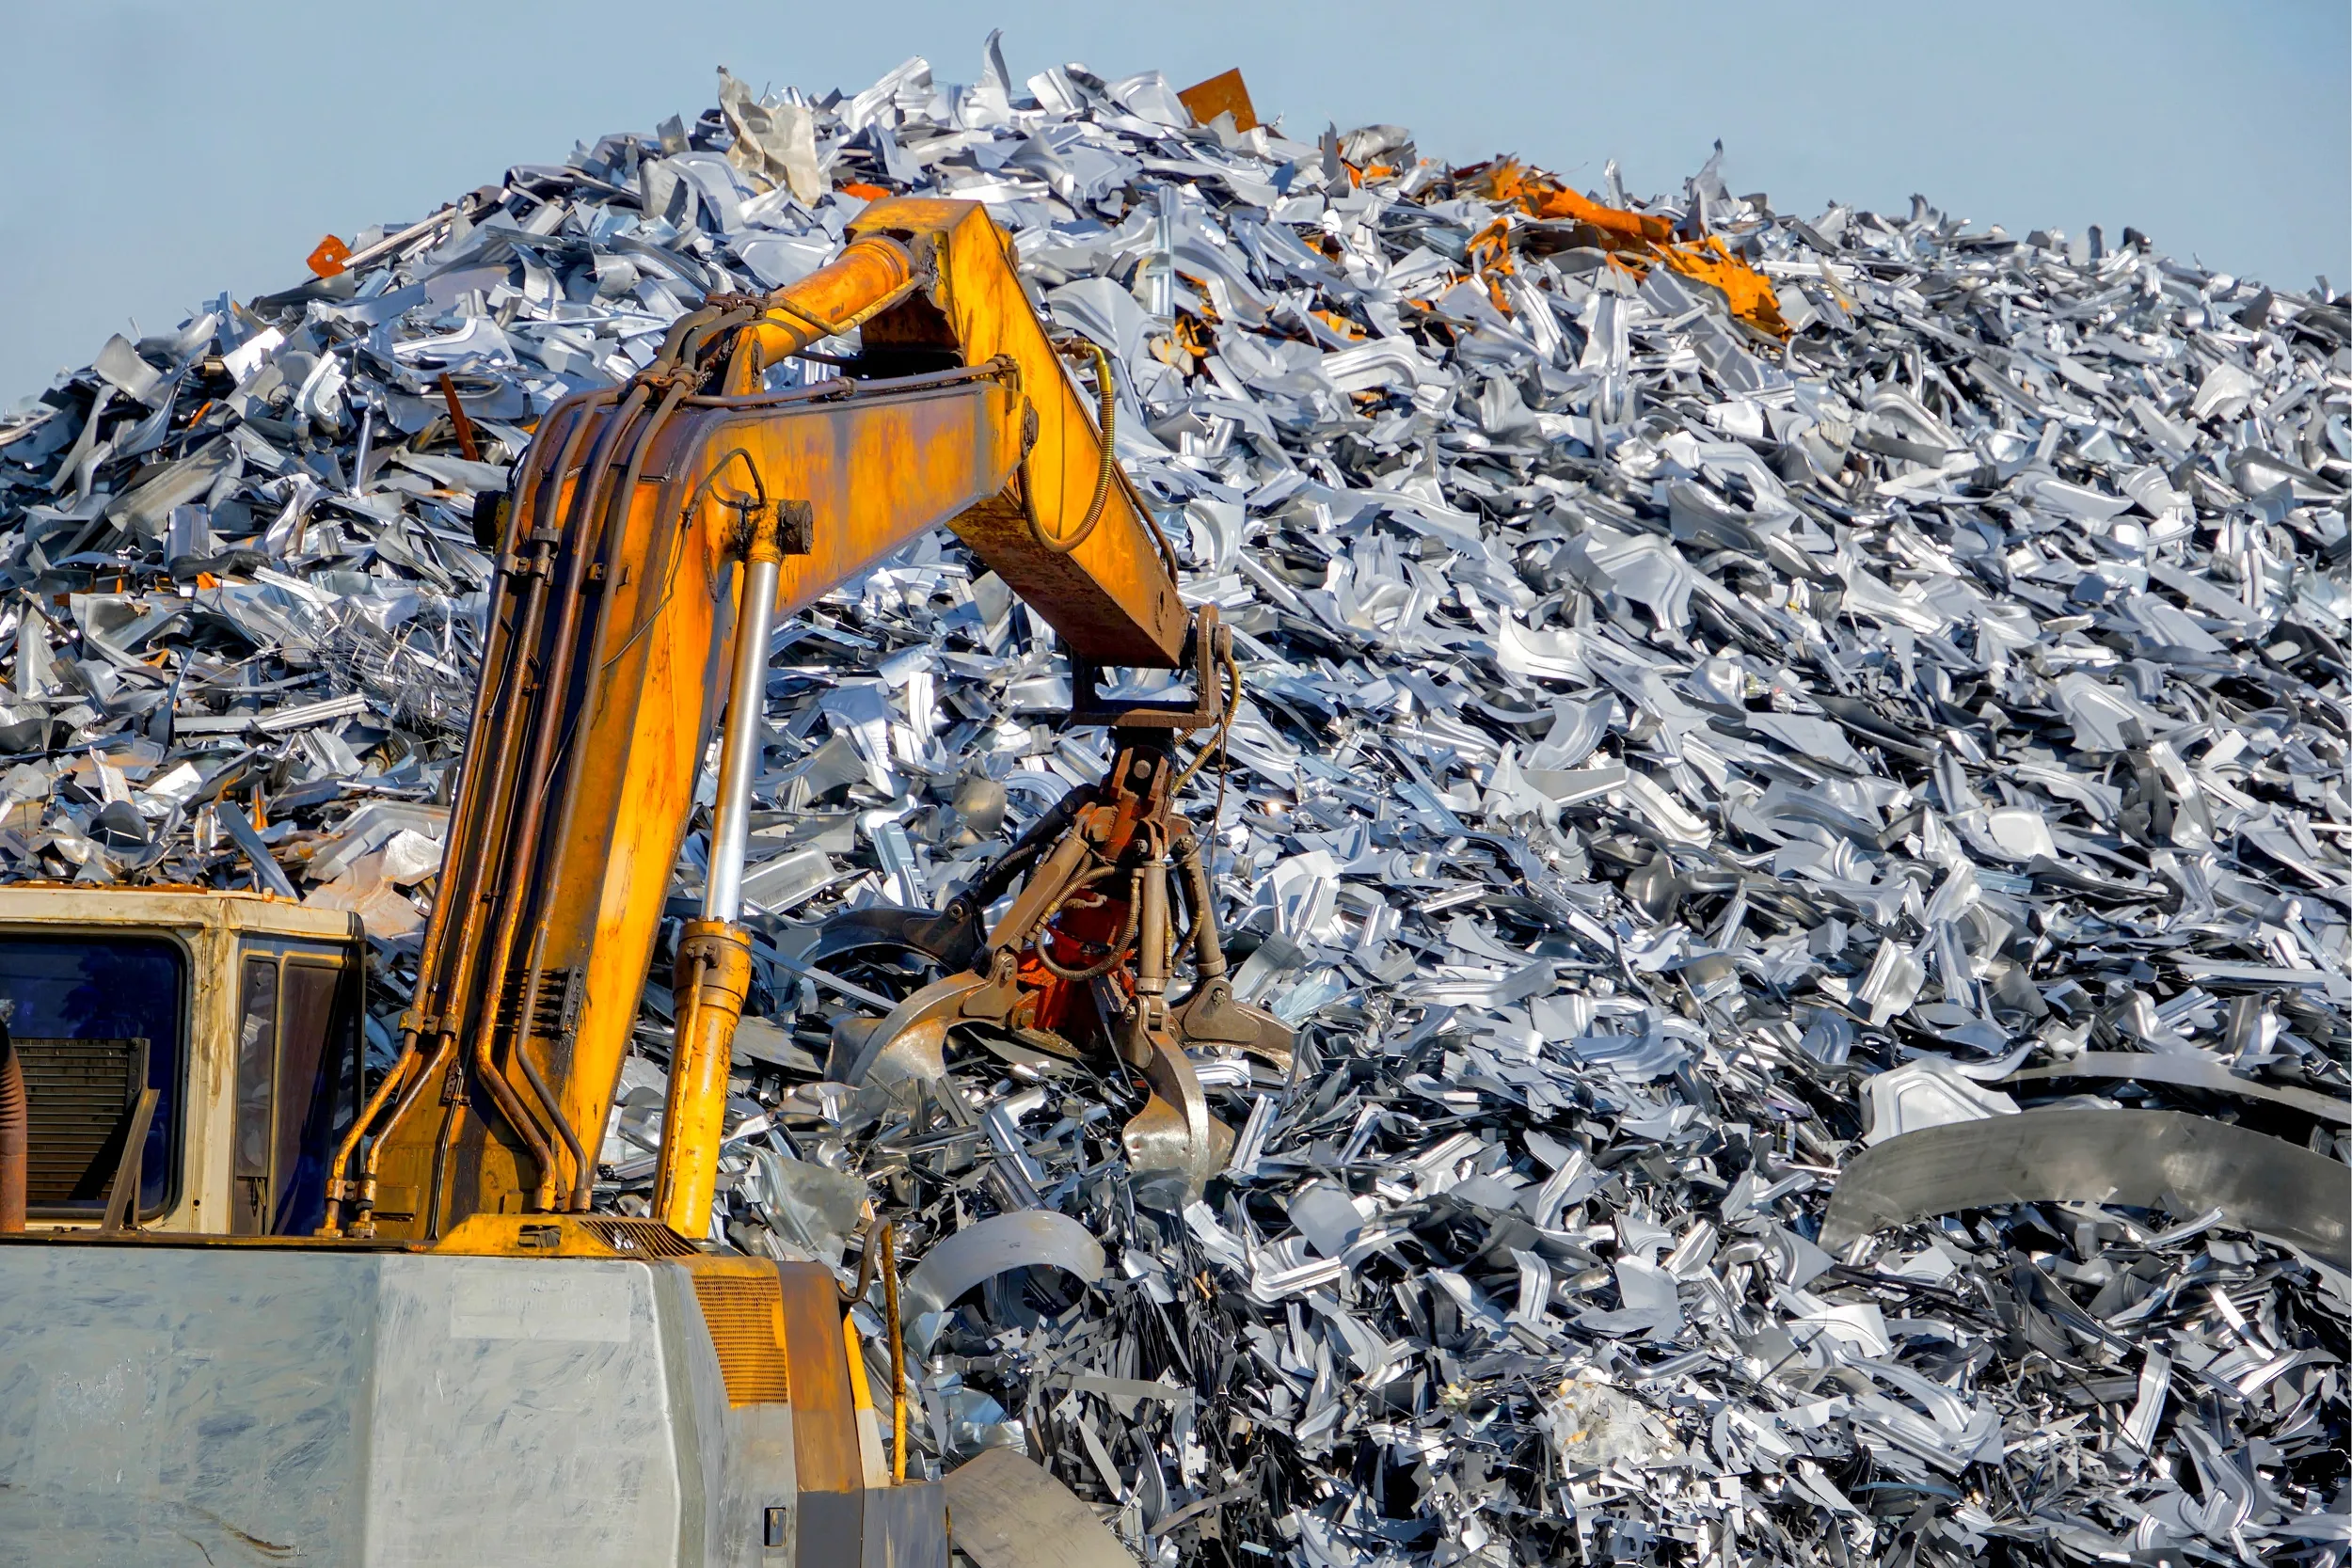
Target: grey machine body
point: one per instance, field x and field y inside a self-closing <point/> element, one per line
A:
<point x="332" y="1406"/>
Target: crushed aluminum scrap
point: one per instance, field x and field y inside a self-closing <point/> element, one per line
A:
<point x="1658" y="728"/>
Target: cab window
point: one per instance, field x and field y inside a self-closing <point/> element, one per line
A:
<point x="96" y="1018"/>
<point x="297" y="1086"/>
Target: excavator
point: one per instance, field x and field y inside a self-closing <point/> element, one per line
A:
<point x="265" y="1318"/>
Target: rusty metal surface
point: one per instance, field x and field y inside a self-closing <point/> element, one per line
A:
<point x="1224" y="93"/>
<point x="825" y="1451"/>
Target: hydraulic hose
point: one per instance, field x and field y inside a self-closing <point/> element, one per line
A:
<point x="1119" y="948"/>
<point x="583" y="1171"/>
<point x="512" y="833"/>
<point x="1228" y="673"/>
<point x="406" y="1079"/>
<point x="1106" y="415"/>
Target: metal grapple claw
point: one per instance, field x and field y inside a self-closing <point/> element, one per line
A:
<point x="1083" y="957"/>
<point x="1174" y="1145"/>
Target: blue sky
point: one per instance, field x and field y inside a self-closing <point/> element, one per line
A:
<point x="157" y="154"/>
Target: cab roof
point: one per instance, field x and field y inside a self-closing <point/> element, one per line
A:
<point x="180" y="906"/>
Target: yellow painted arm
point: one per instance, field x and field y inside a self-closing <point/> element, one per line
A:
<point x="655" y="530"/>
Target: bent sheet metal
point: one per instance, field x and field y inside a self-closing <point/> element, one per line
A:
<point x="1656" y="727"/>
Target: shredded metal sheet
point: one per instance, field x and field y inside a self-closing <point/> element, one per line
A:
<point x="1676" y="760"/>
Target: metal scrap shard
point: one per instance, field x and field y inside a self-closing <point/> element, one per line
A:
<point x="2136" y="1159"/>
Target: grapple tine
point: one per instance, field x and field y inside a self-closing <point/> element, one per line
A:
<point x="1084" y="952"/>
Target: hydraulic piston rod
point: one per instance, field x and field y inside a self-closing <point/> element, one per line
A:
<point x="713" y="974"/>
<point x="738" y="752"/>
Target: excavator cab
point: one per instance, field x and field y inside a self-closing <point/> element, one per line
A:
<point x="189" y="1057"/>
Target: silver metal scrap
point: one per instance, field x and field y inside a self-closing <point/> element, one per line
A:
<point x="1656" y="733"/>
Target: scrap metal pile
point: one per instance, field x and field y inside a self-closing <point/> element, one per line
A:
<point x="1758" y="732"/>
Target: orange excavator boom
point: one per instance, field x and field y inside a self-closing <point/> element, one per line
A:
<point x="656" y="529"/>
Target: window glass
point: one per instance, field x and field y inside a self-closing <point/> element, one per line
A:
<point x="106" y="988"/>
<point x="257" y="1049"/>
<point x="313" y="1056"/>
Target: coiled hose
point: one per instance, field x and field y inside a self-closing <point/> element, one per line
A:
<point x="1119" y="948"/>
<point x="1106" y="415"/>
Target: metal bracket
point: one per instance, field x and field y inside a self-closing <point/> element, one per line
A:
<point x="796" y="526"/>
<point x="1211" y="1016"/>
<point x="1206" y="647"/>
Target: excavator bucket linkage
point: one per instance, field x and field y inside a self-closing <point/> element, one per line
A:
<point x="1081" y="962"/>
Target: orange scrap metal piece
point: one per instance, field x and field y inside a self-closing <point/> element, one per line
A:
<point x="1490" y="247"/>
<point x="1200" y="303"/>
<point x="1634" y="240"/>
<point x="865" y="191"/>
<point x="459" y="422"/>
<point x="1489" y="253"/>
<point x="328" y="257"/>
<point x="1225" y="93"/>
<point x="1188" y="342"/>
<point x="1750" y="293"/>
<point x="1339" y="324"/>
<point x="1540" y="195"/>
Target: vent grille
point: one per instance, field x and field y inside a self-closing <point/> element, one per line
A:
<point x="745" y="1315"/>
<point x="78" y="1097"/>
<point x="638" y="1238"/>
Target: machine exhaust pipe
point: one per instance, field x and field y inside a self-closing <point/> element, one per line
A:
<point x="15" y="1137"/>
